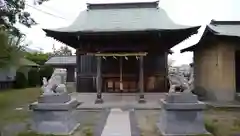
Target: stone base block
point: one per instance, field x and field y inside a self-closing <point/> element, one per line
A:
<point x="141" y="100"/>
<point x="72" y="104"/>
<point x="181" y="98"/>
<point x="55" y="122"/>
<point x="179" y="118"/>
<point x="99" y="101"/>
<point x="55" y="98"/>
<point x="55" y="118"/>
<point x="181" y="123"/>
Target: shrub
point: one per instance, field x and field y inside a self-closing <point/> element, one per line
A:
<point x="210" y="127"/>
<point x="200" y="92"/>
<point x="33" y="77"/>
<point x="20" y="80"/>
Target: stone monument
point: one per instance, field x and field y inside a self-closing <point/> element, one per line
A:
<point x="181" y="113"/>
<point x="55" y="110"/>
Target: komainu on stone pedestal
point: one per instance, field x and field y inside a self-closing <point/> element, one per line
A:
<point x="181" y="115"/>
<point x="55" y="111"/>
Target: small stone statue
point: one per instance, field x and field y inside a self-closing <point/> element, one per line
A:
<point x="178" y="83"/>
<point x="191" y="80"/>
<point x="45" y="82"/>
<point x="47" y="90"/>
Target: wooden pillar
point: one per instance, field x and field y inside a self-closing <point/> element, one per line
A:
<point x="70" y="74"/>
<point x="99" y="81"/>
<point x="141" y="81"/>
<point x="166" y="80"/>
<point x="78" y="59"/>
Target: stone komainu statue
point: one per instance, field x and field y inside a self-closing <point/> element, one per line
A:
<point x="178" y="83"/>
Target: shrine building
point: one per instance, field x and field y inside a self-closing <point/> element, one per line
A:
<point x="122" y="47"/>
<point x="217" y="61"/>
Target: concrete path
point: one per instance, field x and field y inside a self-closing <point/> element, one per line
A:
<point x="117" y="124"/>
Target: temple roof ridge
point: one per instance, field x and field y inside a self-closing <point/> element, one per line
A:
<point x="225" y="22"/>
<point x="123" y="5"/>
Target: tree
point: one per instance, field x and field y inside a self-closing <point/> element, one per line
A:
<point x="10" y="50"/>
<point x="37" y="57"/>
<point x="63" y="51"/>
<point x="12" y="11"/>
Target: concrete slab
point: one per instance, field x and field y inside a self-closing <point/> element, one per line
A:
<point x="117" y="97"/>
<point x="117" y="124"/>
<point x="118" y="100"/>
<point x="122" y="105"/>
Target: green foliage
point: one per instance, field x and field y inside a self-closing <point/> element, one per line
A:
<point x="20" y="81"/>
<point x="12" y="11"/>
<point x="15" y="98"/>
<point x="210" y="127"/>
<point x="87" y="132"/>
<point x="63" y="51"/>
<point x="10" y="52"/>
<point x="9" y="13"/>
<point x="37" y="57"/>
<point x="33" y="77"/>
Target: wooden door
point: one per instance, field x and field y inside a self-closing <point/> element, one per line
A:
<point x="113" y="85"/>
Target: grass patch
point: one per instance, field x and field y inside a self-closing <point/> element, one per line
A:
<point x="34" y="134"/>
<point x="223" y="122"/>
<point x="210" y="126"/>
<point x="16" y="98"/>
<point x="84" y="130"/>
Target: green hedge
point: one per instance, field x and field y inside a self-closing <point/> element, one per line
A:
<point x="33" y="77"/>
<point x="21" y="81"/>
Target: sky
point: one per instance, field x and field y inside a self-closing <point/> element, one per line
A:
<point x="60" y="13"/>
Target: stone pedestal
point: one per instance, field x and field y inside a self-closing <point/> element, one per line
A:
<point x="55" y="114"/>
<point x="181" y="115"/>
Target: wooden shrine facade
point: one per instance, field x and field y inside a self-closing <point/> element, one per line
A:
<point x="122" y="72"/>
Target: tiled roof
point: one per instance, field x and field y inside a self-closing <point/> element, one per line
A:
<point x="223" y="28"/>
<point x="227" y="28"/>
<point x="122" y="17"/>
<point x="26" y="62"/>
<point x="62" y="60"/>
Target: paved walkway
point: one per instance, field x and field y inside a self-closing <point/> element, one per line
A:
<point x="118" y="100"/>
<point x="117" y="124"/>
